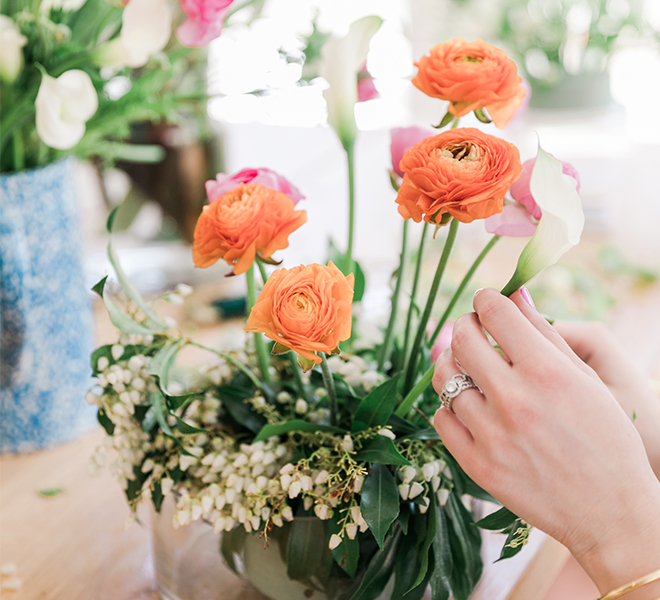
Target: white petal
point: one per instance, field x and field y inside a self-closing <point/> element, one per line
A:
<point x="146" y="29"/>
<point x="11" y="53"/>
<point x="561" y="223"/>
<point x="341" y="59"/>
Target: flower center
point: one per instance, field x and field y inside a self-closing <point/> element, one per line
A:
<point x="472" y="59"/>
<point x="302" y="303"/>
<point x="463" y="152"/>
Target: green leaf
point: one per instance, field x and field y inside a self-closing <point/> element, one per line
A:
<point x="481" y="116"/>
<point x="50" y="492"/>
<point x="405" y="568"/>
<point x="176" y="402"/>
<point x="376" y="407"/>
<point x="306" y="545"/>
<point x="162" y="362"/>
<point x="443" y="564"/>
<point x="500" y="519"/>
<point x="233" y="400"/>
<point x="161" y="413"/>
<point x="118" y="317"/>
<point x="404" y="518"/>
<point x="280" y="349"/>
<point x="188" y="429"/>
<point x="378" y="572"/>
<point x="429" y="529"/>
<point x="105" y="421"/>
<point x="423" y="434"/>
<point x="232" y="543"/>
<point x="110" y="223"/>
<point x="294" y="425"/>
<point x="134" y="486"/>
<point x="448" y="118"/>
<point x="340" y="260"/>
<point x="380" y="501"/>
<point x="401" y="426"/>
<point x="157" y="496"/>
<point x="381" y="450"/>
<point x="347" y="554"/>
<point x="465" y="542"/>
<point x="516" y="540"/>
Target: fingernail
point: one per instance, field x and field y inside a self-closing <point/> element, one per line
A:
<point x="527" y="297"/>
<point x="475" y="294"/>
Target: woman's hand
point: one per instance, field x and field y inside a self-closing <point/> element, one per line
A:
<point x="550" y="442"/>
<point x="596" y="346"/>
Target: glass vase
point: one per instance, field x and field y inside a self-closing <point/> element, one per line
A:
<point x="189" y="565"/>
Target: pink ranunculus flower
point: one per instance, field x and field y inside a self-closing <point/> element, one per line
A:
<point x="403" y="139"/>
<point x="443" y="341"/>
<point x="215" y="188"/>
<point x="204" y="23"/>
<point x="514" y="221"/>
<point x="520" y="189"/>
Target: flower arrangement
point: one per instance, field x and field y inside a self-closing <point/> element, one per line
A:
<point x="327" y="451"/>
<point x="77" y="73"/>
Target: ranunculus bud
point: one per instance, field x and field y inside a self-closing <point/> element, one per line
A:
<point x="11" y="53"/>
<point x="63" y="106"/>
<point x="215" y="188"/>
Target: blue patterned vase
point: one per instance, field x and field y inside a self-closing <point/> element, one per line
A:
<point x="45" y="314"/>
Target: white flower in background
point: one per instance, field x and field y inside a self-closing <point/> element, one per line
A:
<point x="146" y="28"/>
<point x="63" y="107"/>
<point x="65" y="5"/>
<point x="11" y="53"/>
<point x="341" y="60"/>
<point x="561" y="223"/>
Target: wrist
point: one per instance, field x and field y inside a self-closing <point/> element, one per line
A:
<point x="626" y="547"/>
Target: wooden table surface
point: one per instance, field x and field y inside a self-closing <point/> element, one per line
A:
<point x="75" y="545"/>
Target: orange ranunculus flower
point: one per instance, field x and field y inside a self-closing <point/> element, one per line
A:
<point x="247" y="220"/>
<point x="463" y="172"/>
<point x="306" y="309"/>
<point x="471" y="76"/>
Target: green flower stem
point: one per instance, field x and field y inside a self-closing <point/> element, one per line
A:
<point x="262" y="270"/>
<point x="260" y="346"/>
<point x="413" y="299"/>
<point x="455" y="123"/>
<point x="330" y="388"/>
<point x="435" y="286"/>
<point x="19" y="151"/>
<point x="297" y="374"/>
<point x="350" y="159"/>
<point x="461" y="288"/>
<point x="420" y="387"/>
<point x="387" y="342"/>
<point x="230" y="359"/>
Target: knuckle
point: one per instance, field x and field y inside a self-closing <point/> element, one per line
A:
<point x="492" y="309"/>
<point x="459" y="340"/>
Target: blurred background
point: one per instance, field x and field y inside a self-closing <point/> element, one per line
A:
<point x="592" y="68"/>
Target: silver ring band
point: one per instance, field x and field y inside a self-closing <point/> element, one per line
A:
<point x="453" y="387"/>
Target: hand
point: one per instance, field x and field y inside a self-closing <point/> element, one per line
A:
<point x="596" y="346"/>
<point x="550" y="442"/>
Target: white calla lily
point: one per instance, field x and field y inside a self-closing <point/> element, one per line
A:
<point x="341" y="60"/>
<point x="63" y="106"/>
<point x="146" y="29"/>
<point x="11" y="53"/>
<point x="561" y="224"/>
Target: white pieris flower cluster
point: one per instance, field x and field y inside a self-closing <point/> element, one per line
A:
<point x="416" y="483"/>
<point x="124" y="385"/>
<point x="356" y="371"/>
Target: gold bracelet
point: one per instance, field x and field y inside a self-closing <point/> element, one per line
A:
<point x="632" y="586"/>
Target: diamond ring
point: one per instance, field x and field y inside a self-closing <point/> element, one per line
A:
<point x="453" y="387"/>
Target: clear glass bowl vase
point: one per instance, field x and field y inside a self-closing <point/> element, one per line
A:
<point x="189" y="565"/>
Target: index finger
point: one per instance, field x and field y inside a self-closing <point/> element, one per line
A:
<point x="517" y="337"/>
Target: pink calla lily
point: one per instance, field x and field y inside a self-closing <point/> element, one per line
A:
<point x="514" y="221"/>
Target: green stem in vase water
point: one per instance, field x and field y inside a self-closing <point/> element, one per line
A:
<point x="329" y="383"/>
<point x="260" y="346"/>
<point x="384" y="353"/>
<point x="413" y="299"/>
<point x="435" y="286"/>
<point x="461" y="288"/>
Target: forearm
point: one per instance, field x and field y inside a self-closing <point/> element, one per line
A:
<point x="628" y="550"/>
